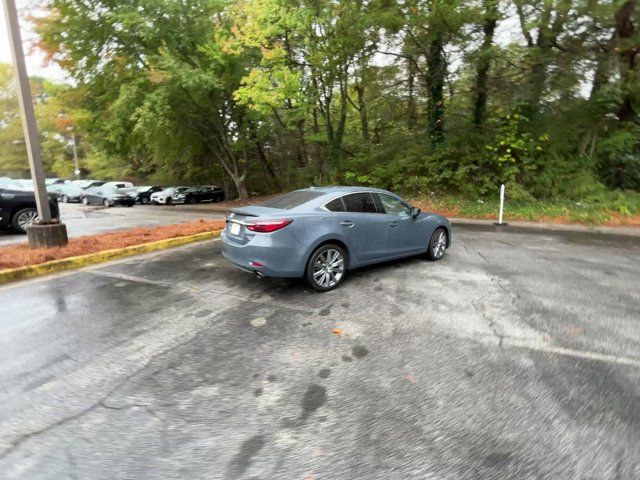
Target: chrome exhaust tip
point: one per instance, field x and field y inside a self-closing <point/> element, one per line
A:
<point x="259" y="274"/>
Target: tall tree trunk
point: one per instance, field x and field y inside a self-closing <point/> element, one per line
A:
<point x="362" y="105"/>
<point x="241" y="187"/>
<point x="303" y="157"/>
<point x="436" y="74"/>
<point x="412" y="114"/>
<point x="362" y="108"/>
<point x="484" y="62"/>
<point x="267" y="164"/>
<point x="317" y="147"/>
<point x="335" y="152"/>
<point x="627" y="47"/>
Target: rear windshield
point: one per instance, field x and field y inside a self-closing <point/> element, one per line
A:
<point x="291" y="199"/>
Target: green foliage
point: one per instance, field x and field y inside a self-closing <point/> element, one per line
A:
<point x="619" y="158"/>
<point x="274" y="94"/>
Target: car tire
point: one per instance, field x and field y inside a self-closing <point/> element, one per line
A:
<point x="326" y="267"/>
<point x="84" y="200"/>
<point x="23" y="218"/>
<point x="168" y="201"/>
<point x="437" y="244"/>
<point x="64" y="199"/>
<point x="144" y="200"/>
<point x="106" y="203"/>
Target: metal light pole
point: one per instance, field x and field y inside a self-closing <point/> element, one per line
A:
<point x="46" y="233"/>
<point x="74" y="145"/>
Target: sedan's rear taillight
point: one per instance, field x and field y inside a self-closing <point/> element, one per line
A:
<point x="268" y="226"/>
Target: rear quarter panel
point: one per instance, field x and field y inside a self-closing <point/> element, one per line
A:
<point x="314" y="229"/>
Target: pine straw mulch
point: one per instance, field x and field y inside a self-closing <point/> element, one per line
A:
<point x="21" y="255"/>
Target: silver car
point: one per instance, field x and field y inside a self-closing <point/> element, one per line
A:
<point x="321" y="232"/>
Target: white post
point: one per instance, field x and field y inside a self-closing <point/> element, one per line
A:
<point x="501" y="204"/>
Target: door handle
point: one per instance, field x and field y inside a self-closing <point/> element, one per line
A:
<point x="394" y="224"/>
<point x="347" y="224"/>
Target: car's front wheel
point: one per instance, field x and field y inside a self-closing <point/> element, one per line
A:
<point x="326" y="268"/>
<point x="437" y="244"/>
<point x="106" y="203"/>
<point x="85" y="201"/>
<point x="65" y="199"/>
<point x="144" y="200"/>
<point x="23" y="218"/>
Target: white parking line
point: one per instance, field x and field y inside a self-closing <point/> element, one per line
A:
<point x="567" y="352"/>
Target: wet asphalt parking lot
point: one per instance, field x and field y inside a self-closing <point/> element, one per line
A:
<point x="515" y="357"/>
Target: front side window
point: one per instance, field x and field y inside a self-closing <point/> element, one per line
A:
<point x="360" y="202"/>
<point x="393" y="206"/>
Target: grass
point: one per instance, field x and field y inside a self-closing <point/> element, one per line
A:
<point x="558" y="211"/>
<point x="21" y="255"/>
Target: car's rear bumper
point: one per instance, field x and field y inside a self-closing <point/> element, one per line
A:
<point x="275" y="253"/>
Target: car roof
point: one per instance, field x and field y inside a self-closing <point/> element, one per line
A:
<point x="345" y="189"/>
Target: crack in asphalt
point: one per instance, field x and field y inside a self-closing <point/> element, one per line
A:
<point x="15" y="444"/>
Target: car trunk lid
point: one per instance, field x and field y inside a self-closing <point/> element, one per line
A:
<point x="237" y="219"/>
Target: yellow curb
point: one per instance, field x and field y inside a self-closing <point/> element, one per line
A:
<point x="20" y="273"/>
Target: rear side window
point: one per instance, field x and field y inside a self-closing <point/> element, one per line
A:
<point x="291" y="199"/>
<point x="335" y="205"/>
<point x="360" y="202"/>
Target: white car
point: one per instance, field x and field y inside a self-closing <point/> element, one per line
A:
<point x="164" y="197"/>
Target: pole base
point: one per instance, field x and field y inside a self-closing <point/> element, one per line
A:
<point x="498" y="224"/>
<point x="47" y="236"/>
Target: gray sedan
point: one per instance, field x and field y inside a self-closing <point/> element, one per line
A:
<point x="321" y="232"/>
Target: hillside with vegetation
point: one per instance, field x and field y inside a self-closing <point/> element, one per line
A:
<point x="419" y="96"/>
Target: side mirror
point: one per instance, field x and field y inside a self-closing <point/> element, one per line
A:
<point x="415" y="211"/>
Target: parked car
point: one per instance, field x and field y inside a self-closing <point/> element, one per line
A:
<point x="164" y="197"/>
<point x="66" y="193"/>
<point x="54" y="181"/>
<point x="320" y="233"/>
<point x="110" y="194"/>
<point x="144" y="193"/>
<point x="18" y="206"/>
<point x="84" y="184"/>
<point x="202" y="193"/>
<point x="72" y="191"/>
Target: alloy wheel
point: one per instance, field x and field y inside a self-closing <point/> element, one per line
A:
<point x="439" y="245"/>
<point x="328" y="268"/>
<point x="26" y="218"/>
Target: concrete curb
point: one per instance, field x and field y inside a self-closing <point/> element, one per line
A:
<point x="627" y="233"/>
<point x="20" y="273"/>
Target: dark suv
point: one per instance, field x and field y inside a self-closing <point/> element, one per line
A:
<point x="18" y="206"/>
<point x="202" y="193"/>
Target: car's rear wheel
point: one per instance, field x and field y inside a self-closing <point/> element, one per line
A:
<point x="326" y="268"/>
<point x="437" y="244"/>
<point x="65" y="199"/>
<point x="23" y="218"/>
<point x="169" y="201"/>
<point x="106" y="202"/>
<point x="85" y="201"/>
